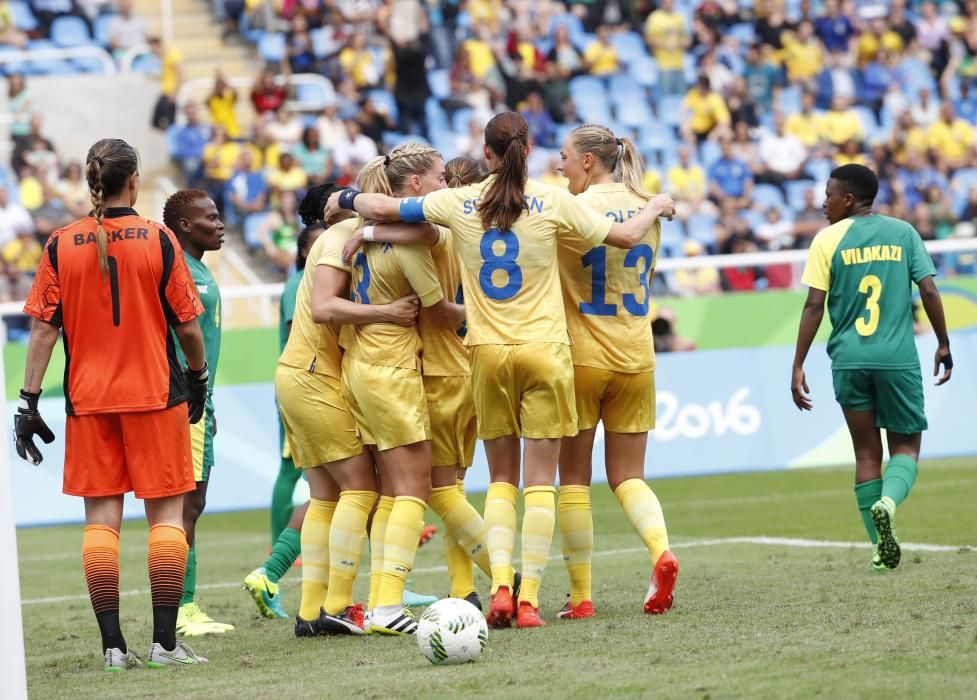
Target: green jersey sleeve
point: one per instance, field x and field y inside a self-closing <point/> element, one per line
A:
<point x="920" y="263"/>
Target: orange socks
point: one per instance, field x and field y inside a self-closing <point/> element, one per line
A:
<point x="100" y="560"/>
<point x="167" y="565"/>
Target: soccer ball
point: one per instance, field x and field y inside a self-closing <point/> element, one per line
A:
<point x="452" y="631"/>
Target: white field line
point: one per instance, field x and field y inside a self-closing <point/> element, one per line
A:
<point x="717" y="542"/>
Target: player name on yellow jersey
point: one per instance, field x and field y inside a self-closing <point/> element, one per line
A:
<point x="874" y="253"/>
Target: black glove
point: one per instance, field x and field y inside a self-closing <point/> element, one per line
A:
<point x="27" y="424"/>
<point x="197" y="380"/>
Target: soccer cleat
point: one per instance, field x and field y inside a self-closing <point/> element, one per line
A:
<point x="417" y="600"/>
<point x="877" y="564"/>
<point x="191" y="621"/>
<point x="349" y="621"/>
<point x="308" y="628"/>
<point x="658" y="600"/>
<point x="474" y="600"/>
<point x="427" y="534"/>
<point x="182" y="655"/>
<point x="884" y="515"/>
<point x="266" y="594"/>
<point x="368" y="622"/>
<point x="399" y="623"/>
<point x="528" y="616"/>
<point x="580" y="611"/>
<point x="116" y="660"/>
<point x="500" y="611"/>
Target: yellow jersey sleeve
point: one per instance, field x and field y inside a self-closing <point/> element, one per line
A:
<point x="439" y="207"/>
<point x="817" y="270"/>
<point x="332" y="247"/>
<point x="573" y="217"/>
<point x="418" y="267"/>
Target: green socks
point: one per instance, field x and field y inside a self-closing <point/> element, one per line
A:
<point x="866" y="494"/>
<point x="190" y="578"/>
<point x="281" y="497"/>
<point x="898" y="478"/>
<point x="287" y="548"/>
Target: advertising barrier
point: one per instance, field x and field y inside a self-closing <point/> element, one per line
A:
<point x="719" y="411"/>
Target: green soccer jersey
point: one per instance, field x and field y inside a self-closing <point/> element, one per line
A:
<point x="287" y="309"/>
<point x="867" y="265"/>
<point x="210" y="320"/>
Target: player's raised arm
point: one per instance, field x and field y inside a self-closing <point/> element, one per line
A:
<point x="397" y="233"/>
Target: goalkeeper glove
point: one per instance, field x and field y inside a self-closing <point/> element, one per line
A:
<point x="27" y="424"/>
<point x="197" y="386"/>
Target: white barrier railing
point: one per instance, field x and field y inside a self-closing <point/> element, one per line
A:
<point x="268" y="291"/>
<point x="33" y="55"/>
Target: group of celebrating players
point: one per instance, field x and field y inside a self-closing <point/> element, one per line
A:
<point x="456" y="306"/>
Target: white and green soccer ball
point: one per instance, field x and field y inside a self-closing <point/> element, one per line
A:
<point x="452" y="631"/>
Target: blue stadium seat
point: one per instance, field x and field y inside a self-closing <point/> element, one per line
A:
<point x="633" y="111"/>
<point x="544" y="45"/>
<point x="437" y="120"/>
<point x="790" y="99"/>
<point x="315" y="93"/>
<point x="624" y="85"/>
<point x="867" y="117"/>
<point x="100" y="29"/>
<point x="460" y="119"/>
<point x="655" y="134"/>
<point x="673" y="238"/>
<point x="702" y="228"/>
<point x="68" y="31"/>
<point x="766" y="196"/>
<point x="439" y="81"/>
<point x="630" y="46"/>
<point x="594" y="111"/>
<point x="742" y="32"/>
<point x="24" y="18"/>
<point x="320" y="43"/>
<point x="271" y="47"/>
<point x="446" y="142"/>
<point x="392" y="139"/>
<point x="88" y="64"/>
<point x="252" y="223"/>
<point x="171" y="134"/>
<point x="667" y="108"/>
<point x="795" y="193"/>
<point x="960" y="185"/>
<point x="753" y="218"/>
<point x="582" y="41"/>
<point x="645" y="71"/>
<point x="562" y="131"/>
<point x="709" y="153"/>
<point x="587" y="87"/>
<point x="384" y="100"/>
<point x="915" y="75"/>
<point x="573" y="24"/>
<point x="147" y="63"/>
<point x="820" y="168"/>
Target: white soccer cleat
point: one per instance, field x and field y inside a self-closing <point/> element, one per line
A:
<point x="182" y="655"/>
<point x="116" y="660"/>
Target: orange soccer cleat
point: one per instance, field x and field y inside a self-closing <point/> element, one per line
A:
<point x="580" y="611"/>
<point x="658" y="600"/>
<point x="427" y="534"/>
<point x="500" y="611"/>
<point x="528" y="616"/>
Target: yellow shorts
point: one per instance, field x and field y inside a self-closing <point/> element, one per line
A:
<point x="524" y="390"/>
<point x="388" y="403"/>
<point x="319" y="426"/>
<point x="625" y="402"/>
<point x="453" y="426"/>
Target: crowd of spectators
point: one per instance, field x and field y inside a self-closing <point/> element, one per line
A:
<point x="741" y="109"/>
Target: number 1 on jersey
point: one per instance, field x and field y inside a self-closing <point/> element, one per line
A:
<point x="872" y="286"/>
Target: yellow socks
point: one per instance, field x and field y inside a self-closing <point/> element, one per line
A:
<point x="399" y="548"/>
<point x="500" y="531"/>
<point x="463" y="522"/>
<point x="460" y="571"/>
<point x="577" y="535"/>
<point x="346" y="535"/>
<point x="537" y="535"/>
<point x="378" y="530"/>
<point x="315" y="557"/>
<point x="645" y="513"/>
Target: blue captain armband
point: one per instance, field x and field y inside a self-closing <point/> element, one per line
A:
<point x="412" y="209"/>
<point x="346" y="199"/>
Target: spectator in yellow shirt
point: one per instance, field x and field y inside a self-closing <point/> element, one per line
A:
<point x="704" y="113"/>
<point x="841" y="123"/>
<point x="806" y="124"/>
<point x="287" y="177"/>
<point x="357" y="61"/>
<point x="600" y="58"/>
<point x="950" y="137"/>
<point x="221" y="104"/>
<point x="802" y="53"/>
<point x="906" y="137"/>
<point x="878" y="36"/>
<point x="668" y="37"/>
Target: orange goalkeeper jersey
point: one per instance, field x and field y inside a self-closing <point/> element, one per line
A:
<point x="119" y="354"/>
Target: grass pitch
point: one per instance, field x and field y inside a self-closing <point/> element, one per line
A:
<point x="796" y="616"/>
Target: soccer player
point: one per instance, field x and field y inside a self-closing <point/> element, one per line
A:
<point x="116" y="282"/>
<point x="192" y="215"/>
<point x="383" y="386"/>
<point x="324" y="440"/>
<point x="286" y="522"/>
<point x="864" y="265"/>
<point x="505" y="231"/>
<point x="607" y="293"/>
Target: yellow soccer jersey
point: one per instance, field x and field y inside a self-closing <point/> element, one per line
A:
<point x="607" y="291"/>
<point x="315" y="346"/>
<point x="512" y="286"/>
<point x="444" y="353"/>
<point x="382" y="273"/>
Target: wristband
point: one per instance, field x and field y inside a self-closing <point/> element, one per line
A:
<point x="346" y="198"/>
<point x="368" y="233"/>
<point x="200" y="375"/>
<point x="28" y="400"/>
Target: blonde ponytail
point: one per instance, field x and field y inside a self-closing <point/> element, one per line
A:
<point x="619" y="157"/>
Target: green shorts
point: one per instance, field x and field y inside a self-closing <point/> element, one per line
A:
<point x="896" y="396"/>
<point x="202" y="446"/>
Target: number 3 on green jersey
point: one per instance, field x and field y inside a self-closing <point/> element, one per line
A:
<point x="872" y="286"/>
